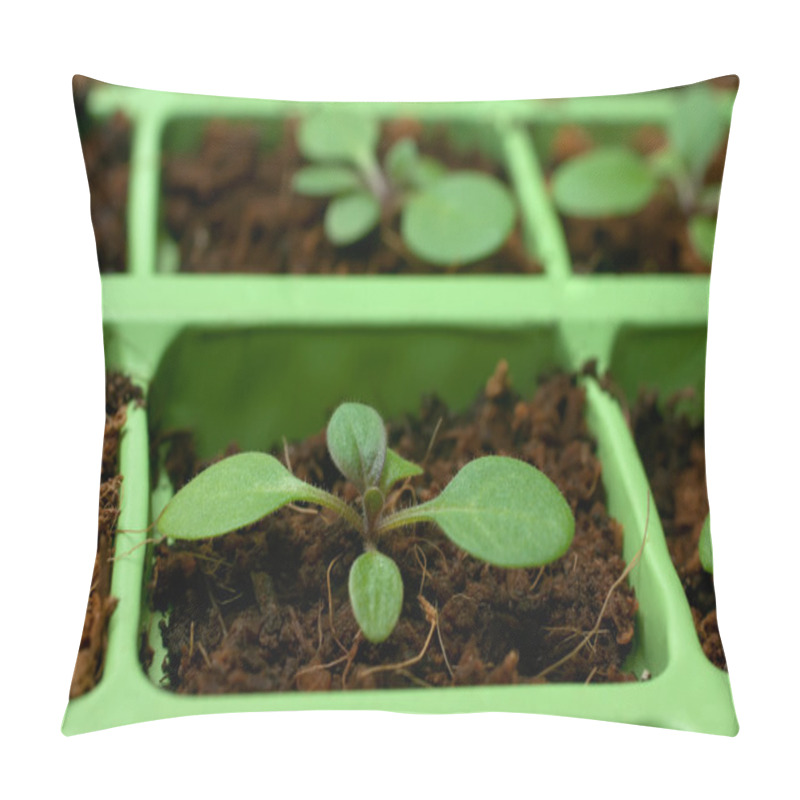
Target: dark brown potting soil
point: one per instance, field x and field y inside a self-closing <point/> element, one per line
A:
<point x="91" y="653"/>
<point x="231" y="208"/>
<point x="655" y="240"/>
<point x="267" y="609"/>
<point x="673" y="454"/>
<point x="106" y="148"/>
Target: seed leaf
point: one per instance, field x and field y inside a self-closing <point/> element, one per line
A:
<point x="406" y="167"/>
<point x="396" y="468"/>
<point x="351" y="217"/>
<point x="461" y="217"/>
<point x="357" y="443"/>
<point x="607" y="181"/>
<point x="704" y="546"/>
<point x="323" y="180"/>
<point x="702" y="231"/>
<point x="503" y="511"/>
<point x="232" y="493"/>
<point x="401" y="162"/>
<point x="428" y="170"/>
<point x="336" y="135"/>
<point x="376" y="594"/>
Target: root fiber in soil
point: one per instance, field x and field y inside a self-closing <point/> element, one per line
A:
<point x="266" y="609"/>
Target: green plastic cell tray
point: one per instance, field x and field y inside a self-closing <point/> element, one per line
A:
<point x="254" y="358"/>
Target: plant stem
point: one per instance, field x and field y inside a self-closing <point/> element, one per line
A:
<point x="408" y="516"/>
<point x="332" y="502"/>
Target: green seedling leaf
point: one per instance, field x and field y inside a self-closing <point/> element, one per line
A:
<point x="235" y="492"/>
<point x="501" y="510"/>
<point x="607" y="181"/>
<point x="357" y="443"/>
<point x="396" y="468"/>
<point x="401" y="162"/>
<point x="321" y="180"/>
<point x="351" y="217"/>
<point x="702" y="231"/>
<point x="336" y="135"/>
<point x="704" y="546"/>
<point x="696" y="128"/>
<point x="376" y="594"/>
<point x="406" y="167"/>
<point x="461" y="217"/>
<point x="667" y="164"/>
<point x="428" y="171"/>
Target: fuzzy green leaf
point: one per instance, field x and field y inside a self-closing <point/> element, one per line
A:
<point x="357" y="443"/>
<point x="428" y="170"/>
<point x="337" y="135"/>
<point x="396" y="468"/>
<point x="501" y="510"/>
<point x="462" y="217"/>
<point x="666" y="163"/>
<point x="696" y="128"/>
<point x="704" y="546"/>
<point x="232" y="493"/>
<point x="401" y="162"/>
<point x="351" y="217"/>
<point x="376" y="594"/>
<point x="324" y="180"/>
<point x="702" y="231"/>
<point x="406" y="167"/>
<point x="606" y="181"/>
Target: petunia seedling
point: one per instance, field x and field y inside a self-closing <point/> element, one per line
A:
<point x="446" y="218"/>
<point x="615" y="180"/>
<point x="704" y="547"/>
<point x="498" y="509"/>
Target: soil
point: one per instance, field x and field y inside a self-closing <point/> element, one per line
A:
<point x="231" y="209"/>
<point x="655" y="240"/>
<point x="106" y="148"/>
<point x="673" y="453"/>
<point x="266" y="609"/>
<point x="94" y="638"/>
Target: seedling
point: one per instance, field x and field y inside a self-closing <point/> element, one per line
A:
<point x="446" y="218"/>
<point x="704" y="546"/>
<point x="611" y="181"/>
<point x="498" y="509"/>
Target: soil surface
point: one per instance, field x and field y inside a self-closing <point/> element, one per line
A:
<point x="267" y="609"/>
<point x="106" y="148"/>
<point x="231" y="209"/>
<point x="656" y="239"/>
<point x="91" y="654"/>
<point x="673" y="454"/>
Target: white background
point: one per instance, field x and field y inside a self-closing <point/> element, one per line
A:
<point x="52" y="387"/>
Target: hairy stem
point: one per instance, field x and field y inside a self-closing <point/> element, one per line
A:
<point x="327" y="500"/>
<point x="408" y="516"/>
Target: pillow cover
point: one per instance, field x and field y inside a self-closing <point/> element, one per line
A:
<point x="442" y="265"/>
